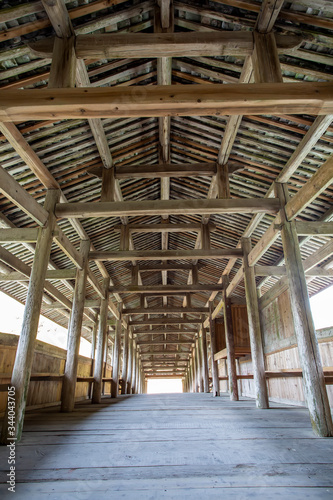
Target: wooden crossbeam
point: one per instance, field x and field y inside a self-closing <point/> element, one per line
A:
<point x="164" y="228"/>
<point x="168" y="332"/>
<point x="169" y="289"/>
<point x="163" y="321"/>
<point x="147" y="45"/>
<point x="165" y="170"/>
<point x="167" y="207"/>
<point x="166" y="310"/>
<point x="58" y="274"/>
<point x="281" y="271"/>
<point x="165" y="267"/>
<point x="165" y="255"/>
<point x="162" y="353"/>
<point x="18" y="235"/>
<point x="163" y="341"/>
<point x="314" y="228"/>
<point x="168" y="100"/>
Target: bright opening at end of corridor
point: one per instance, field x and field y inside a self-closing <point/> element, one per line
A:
<point x="163" y="386"/>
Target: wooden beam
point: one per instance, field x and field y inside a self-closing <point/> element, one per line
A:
<point x="165" y="255"/>
<point x="164" y="341"/>
<point x="178" y="331"/>
<point x="63" y="66"/>
<point x="162" y="353"/>
<point x="165" y="228"/>
<point x="58" y="274"/>
<point x="74" y="333"/>
<point x="308" y="349"/>
<point x="25" y="350"/>
<point x="165" y="170"/>
<point x="282" y="271"/>
<point x="160" y="45"/>
<point x="165" y="267"/>
<point x="269" y="11"/>
<point x="265" y="59"/>
<point x="169" y="289"/>
<point x="314" y="228"/>
<point x="168" y="100"/>
<point x="67" y="247"/>
<point x="166" y="310"/>
<point x="18" y="235"/>
<point x="164" y="321"/>
<point x="165" y="207"/>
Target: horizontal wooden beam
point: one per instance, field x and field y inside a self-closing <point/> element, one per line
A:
<point x="165" y="267"/>
<point x="162" y="353"/>
<point x="20" y="235"/>
<point x="88" y="304"/>
<point x="314" y="228"/>
<point x="163" y="321"/>
<point x="170" y="289"/>
<point x="164" y="228"/>
<point x="168" y="207"/>
<point x="147" y="45"/>
<point x="166" y="100"/>
<point x="161" y="342"/>
<point x="165" y="170"/>
<point x="165" y="255"/>
<point x="58" y="274"/>
<point x="168" y="332"/>
<point x="281" y="271"/>
<point x="166" y="310"/>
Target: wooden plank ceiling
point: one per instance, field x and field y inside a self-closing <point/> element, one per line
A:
<point x="70" y="153"/>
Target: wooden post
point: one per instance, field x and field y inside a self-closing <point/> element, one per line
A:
<point x="265" y="59"/>
<point x="313" y="376"/>
<point x="101" y="335"/>
<point x="63" y="66"/>
<point x="105" y="359"/>
<point x="137" y="375"/>
<point x="25" y="349"/>
<point x="222" y="180"/>
<point x="92" y="355"/>
<point x="195" y="371"/>
<point x="125" y="362"/>
<point x="108" y="184"/>
<point x="133" y="367"/>
<point x="257" y="353"/>
<point x="215" y="375"/>
<point x="74" y="333"/>
<point x="129" y="366"/>
<point x="229" y="337"/>
<point x="116" y="354"/>
<point x="199" y="365"/>
<point x="204" y="358"/>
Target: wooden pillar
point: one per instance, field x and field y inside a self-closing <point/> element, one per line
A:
<point x="133" y="367"/>
<point x="215" y="375"/>
<point x="100" y="344"/>
<point x="129" y="366"/>
<point x="25" y="350"/>
<point x="108" y="184"/>
<point x="222" y="181"/>
<point x="204" y="359"/>
<point x="199" y="365"/>
<point x="116" y="354"/>
<point x="92" y="355"/>
<point x="195" y="371"/>
<point x="137" y="375"/>
<point x="309" y="355"/>
<point x="105" y="359"/>
<point x="74" y="333"/>
<point x="257" y="354"/>
<point x="125" y="362"/>
<point x="265" y="59"/>
<point x="63" y="66"/>
<point x="229" y="337"/>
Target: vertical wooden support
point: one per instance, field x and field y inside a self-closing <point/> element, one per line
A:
<point x="129" y="366"/>
<point x="137" y="372"/>
<point x="257" y="353"/>
<point x="204" y="359"/>
<point x="116" y="354"/>
<point x="92" y="355"/>
<point x="265" y="59"/>
<point x="195" y="370"/>
<point x="205" y="237"/>
<point x="108" y="184"/>
<point x="222" y="181"/>
<point x="124" y="239"/>
<point x="63" y="67"/>
<point x="199" y="365"/>
<point x="25" y="350"/>
<point x="229" y="337"/>
<point x="105" y="359"/>
<point x="125" y="361"/>
<point x="100" y="344"/>
<point x="313" y="376"/>
<point x="215" y="375"/>
<point x="133" y="381"/>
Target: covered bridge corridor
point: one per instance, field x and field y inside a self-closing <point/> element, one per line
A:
<point x="166" y="194"/>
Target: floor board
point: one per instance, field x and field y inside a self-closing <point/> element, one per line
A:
<point x="174" y="446"/>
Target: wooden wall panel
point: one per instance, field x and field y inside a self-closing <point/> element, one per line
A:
<point x="240" y="325"/>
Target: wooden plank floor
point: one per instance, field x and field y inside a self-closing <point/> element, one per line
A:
<point x="173" y="446"/>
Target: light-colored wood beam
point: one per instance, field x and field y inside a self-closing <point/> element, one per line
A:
<point x="166" y="310"/>
<point x="164" y="321"/>
<point x="58" y="274"/>
<point x="63" y="66"/>
<point x="18" y="235"/>
<point x="169" y="289"/>
<point x="165" y="228"/>
<point x="166" y="255"/>
<point x="165" y="170"/>
<point x="281" y="271"/>
<point x="168" y="100"/>
<point x="314" y="228"/>
<point x="164" y="341"/>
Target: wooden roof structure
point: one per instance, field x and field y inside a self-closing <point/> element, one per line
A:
<point x="165" y="125"/>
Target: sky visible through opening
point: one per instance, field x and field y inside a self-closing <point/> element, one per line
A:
<point x="11" y="314"/>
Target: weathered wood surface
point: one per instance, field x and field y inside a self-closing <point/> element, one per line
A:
<point x="177" y="446"/>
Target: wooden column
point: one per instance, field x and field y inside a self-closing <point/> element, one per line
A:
<point x="265" y="59"/>
<point x="125" y="362"/>
<point x="129" y="367"/>
<point x="116" y="354"/>
<point x="133" y="367"/>
<point x="199" y="365"/>
<point x="222" y="180"/>
<point x="92" y="355"/>
<point x="313" y="376"/>
<point x="100" y="344"/>
<point x="108" y="184"/>
<point x="258" y="362"/>
<point x="229" y="337"/>
<point x="204" y="359"/>
<point x="195" y="372"/>
<point x="215" y="375"/>
<point x="63" y="66"/>
<point x="74" y="333"/>
<point x="105" y="359"/>
<point x="25" y="350"/>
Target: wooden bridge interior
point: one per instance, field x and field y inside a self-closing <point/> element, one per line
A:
<point x="166" y="194"/>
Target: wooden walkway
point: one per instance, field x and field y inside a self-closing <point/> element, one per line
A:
<point x="174" y="446"/>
